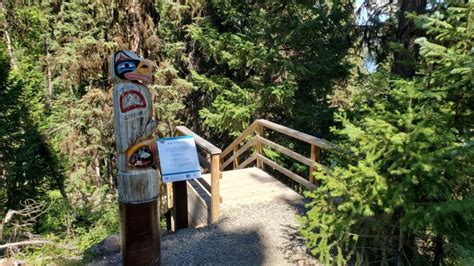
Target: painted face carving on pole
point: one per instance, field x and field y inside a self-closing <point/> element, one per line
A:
<point x="138" y="177"/>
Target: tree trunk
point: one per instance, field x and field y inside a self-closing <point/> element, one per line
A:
<point x="49" y="88"/>
<point x="97" y="170"/>
<point x="108" y="164"/>
<point x="405" y="59"/>
<point x="8" y="39"/>
<point x="25" y="243"/>
<point x="135" y="23"/>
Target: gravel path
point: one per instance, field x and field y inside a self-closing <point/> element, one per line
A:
<point x="258" y="234"/>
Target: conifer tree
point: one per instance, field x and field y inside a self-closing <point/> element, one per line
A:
<point x="275" y="60"/>
<point x="29" y="166"/>
<point x="406" y="195"/>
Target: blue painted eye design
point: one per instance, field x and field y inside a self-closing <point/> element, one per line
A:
<point x="126" y="66"/>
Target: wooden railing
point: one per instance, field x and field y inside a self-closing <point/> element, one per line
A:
<point x="254" y="137"/>
<point x="212" y="166"/>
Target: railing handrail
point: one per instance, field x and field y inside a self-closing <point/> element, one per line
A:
<point x="282" y="129"/>
<point x="240" y="138"/>
<point x="238" y="153"/>
<point x="204" y="144"/>
<point x="300" y="158"/>
<point x="259" y="141"/>
<point x="297" y="134"/>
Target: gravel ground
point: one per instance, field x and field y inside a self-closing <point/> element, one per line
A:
<point x="258" y="234"/>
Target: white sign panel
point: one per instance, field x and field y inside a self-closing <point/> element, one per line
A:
<point x="178" y="159"/>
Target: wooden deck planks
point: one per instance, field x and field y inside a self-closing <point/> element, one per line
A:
<point x="252" y="185"/>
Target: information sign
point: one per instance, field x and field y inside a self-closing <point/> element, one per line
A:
<point x="178" y="159"/>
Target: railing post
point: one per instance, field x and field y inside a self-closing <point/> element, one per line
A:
<point x="259" y="146"/>
<point x="170" y="220"/>
<point x="235" y="163"/>
<point x="314" y="157"/>
<point x="215" y="196"/>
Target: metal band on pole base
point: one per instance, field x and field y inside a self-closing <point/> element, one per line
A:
<point x="138" y="177"/>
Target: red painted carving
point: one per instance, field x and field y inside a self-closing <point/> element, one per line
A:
<point x="131" y="100"/>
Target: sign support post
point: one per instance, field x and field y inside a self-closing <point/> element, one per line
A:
<point x="180" y="199"/>
<point x="179" y="162"/>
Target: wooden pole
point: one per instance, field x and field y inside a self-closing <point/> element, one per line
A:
<point x="140" y="233"/>
<point x="259" y="146"/>
<point x="215" y="197"/>
<point x="315" y="158"/>
<point x="235" y="162"/>
<point x="138" y="179"/>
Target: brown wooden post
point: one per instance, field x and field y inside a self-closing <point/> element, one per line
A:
<point x="169" y="207"/>
<point x="314" y="157"/>
<point x="215" y="196"/>
<point x="169" y="195"/>
<point x="259" y="145"/>
<point x="138" y="178"/>
<point x="180" y="200"/>
<point x="235" y="163"/>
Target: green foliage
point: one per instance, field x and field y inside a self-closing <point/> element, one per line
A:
<point x="407" y="194"/>
<point x="75" y="229"/>
<point x="223" y="63"/>
<point x="173" y="80"/>
<point x="272" y="60"/>
<point x="29" y="168"/>
<point x="30" y="24"/>
<point x="56" y="138"/>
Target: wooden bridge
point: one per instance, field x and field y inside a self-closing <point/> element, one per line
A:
<point x="241" y="173"/>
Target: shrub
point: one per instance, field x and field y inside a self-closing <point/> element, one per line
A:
<point x="407" y="194"/>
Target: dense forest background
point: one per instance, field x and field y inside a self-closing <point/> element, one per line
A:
<point x="403" y="195"/>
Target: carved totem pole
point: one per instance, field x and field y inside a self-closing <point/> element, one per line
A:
<point x="138" y="177"/>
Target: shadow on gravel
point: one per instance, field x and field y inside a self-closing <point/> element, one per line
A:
<point x="298" y="205"/>
<point x="213" y="245"/>
<point x="294" y="244"/>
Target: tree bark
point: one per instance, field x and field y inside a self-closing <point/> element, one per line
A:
<point x="8" y="39"/>
<point x="24" y="243"/>
<point x="5" y="221"/>
<point x="135" y="22"/>
<point x="97" y="170"/>
<point x="49" y="88"/>
<point x="108" y="164"/>
<point x="405" y="59"/>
